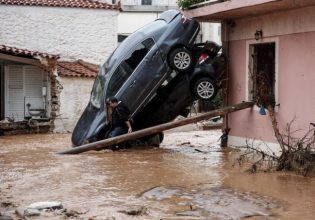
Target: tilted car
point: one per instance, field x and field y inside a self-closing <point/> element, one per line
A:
<point x="154" y="63"/>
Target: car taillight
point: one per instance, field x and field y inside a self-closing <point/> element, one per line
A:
<point x="202" y="58"/>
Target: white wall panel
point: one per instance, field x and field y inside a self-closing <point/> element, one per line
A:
<point x="15" y="96"/>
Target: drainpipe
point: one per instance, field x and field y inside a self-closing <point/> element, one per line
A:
<point x="225" y="49"/>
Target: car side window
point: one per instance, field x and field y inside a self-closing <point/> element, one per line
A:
<point x="127" y="66"/>
<point x="97" y="93"/>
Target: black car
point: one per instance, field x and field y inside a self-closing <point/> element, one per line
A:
<point x="147" y="70"/>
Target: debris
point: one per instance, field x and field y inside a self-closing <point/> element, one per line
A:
<point x="185" y="143"/>
<point x="295" y="154"/>
<point x="6" y="204"/>
<point x="140" y="211"/>
<point x="28" y="212"/>
<point x="189" y="213"/>
<point x="72" y="213"/>
<point x="200" y="151"/>
<point x="31" y="212"/>
<point x="35" y="208"/>
<point x="45" y="205"/>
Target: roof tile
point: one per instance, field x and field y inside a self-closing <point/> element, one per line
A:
<point x="78" y="68"/>
<point x="25" y="52"/>
<point x="93" y="4"/>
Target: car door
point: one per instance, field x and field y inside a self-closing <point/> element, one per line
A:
<point x="148" y="77"/>
<point x="142" y="72"/>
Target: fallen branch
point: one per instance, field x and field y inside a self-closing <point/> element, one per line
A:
<point x="295" y="152"/>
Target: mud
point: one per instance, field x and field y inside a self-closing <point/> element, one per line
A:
<point x="188" y="177"/>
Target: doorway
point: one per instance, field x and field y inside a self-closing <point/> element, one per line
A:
<point x="262" y="71"/>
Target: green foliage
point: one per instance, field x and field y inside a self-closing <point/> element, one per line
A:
<point x="186" y="3"/>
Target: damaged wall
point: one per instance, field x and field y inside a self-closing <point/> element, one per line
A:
<point x="43" y="123"/>
<point x="73" y="33"/>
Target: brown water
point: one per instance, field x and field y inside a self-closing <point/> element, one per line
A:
<point x="175" y="181"/>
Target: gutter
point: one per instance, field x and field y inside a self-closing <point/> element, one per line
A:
<point x="201" y="4"/>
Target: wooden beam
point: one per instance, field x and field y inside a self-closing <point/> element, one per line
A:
<point x="20" y="59"/>
<point x="156" y="129"/>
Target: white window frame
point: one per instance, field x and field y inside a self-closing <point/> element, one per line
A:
<point x="274" y="40"/>
<point x="45" y="77"/>
<point x="6" y="90"/>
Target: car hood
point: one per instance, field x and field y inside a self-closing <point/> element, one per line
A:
<point x="90" y="123"/>
<point x="94" y="117"/>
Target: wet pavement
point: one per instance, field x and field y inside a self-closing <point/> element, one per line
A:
<point x="188" y="177"/>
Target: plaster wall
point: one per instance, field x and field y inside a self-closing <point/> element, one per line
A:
<point x="128" y="22"/>
<point x="274" y="24"/>
<point x="74" y="33"/>
<point x="74" y="98"/>
<point x="295" y="40"/>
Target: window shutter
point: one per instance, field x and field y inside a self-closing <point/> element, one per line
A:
<point x="16" y="93"/>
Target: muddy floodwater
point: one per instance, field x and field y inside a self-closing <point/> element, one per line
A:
<point x="188" y="177"/>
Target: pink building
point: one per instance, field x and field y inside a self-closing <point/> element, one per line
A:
<point x="275" y="36"/>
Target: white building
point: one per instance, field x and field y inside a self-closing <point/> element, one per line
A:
<point x="41" y="42"/>
<point x="137" y="13"/>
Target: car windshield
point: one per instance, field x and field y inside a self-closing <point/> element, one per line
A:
<point x="97" y="93"/>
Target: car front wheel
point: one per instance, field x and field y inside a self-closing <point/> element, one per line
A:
<point x="180" y="59"/>
<point x="205" y="89"/>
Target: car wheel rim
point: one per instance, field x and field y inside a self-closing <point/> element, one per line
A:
<point x="182" y="60"/>
<point x="205" y="89"/>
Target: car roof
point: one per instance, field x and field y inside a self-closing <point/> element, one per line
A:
<point x="169" y="15"/>
<point x="153" y="30"/>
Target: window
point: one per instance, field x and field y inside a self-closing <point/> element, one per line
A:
<point x="146" y="2"/>
<point x="126" y="67"/>
<point x="121" y="37"/>
<point x="97" y="93"/>
<point x="262" y="72"/>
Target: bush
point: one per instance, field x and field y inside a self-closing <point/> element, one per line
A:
<point x="186" y="3"/>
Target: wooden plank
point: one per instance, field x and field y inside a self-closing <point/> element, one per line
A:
<point x="156" y="129"/>
<point x="20" y="59"/>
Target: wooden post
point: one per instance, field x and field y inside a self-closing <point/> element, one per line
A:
<point x="156" y="129"/>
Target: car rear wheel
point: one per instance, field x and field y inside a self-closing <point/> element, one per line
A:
<point x="205" y="89"/>
<point x="180" y="59"/>
<point x="161" y="137"/>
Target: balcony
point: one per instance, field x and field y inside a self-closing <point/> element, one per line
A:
<point x="217" y="10"/>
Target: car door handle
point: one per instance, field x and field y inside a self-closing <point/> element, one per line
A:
<point x="132" y="84"/>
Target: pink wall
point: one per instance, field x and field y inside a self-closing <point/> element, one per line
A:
<point x="296" y="87"/>
<point x="246" y="123"/>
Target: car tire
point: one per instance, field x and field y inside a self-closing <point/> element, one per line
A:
<point x="161" y="137"/>
<point x="205" y="89"/>
<point x="154" y="141"/>
<point x="180" y="59"/>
